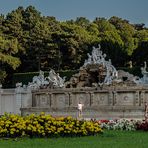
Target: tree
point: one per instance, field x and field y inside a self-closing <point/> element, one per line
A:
<point x="73" y="43"/>
<point x="111" y="41"/>
<point x="127" y="32"/>
<point x="39" y="42"/>
<point x="13" y="23"/>
<point x="82" y="21"/>
<point x="8" y="48"/>
<point x="140" y="54"/>
<point x="139" y="26"/>
<point x="31" y="21"/>
<point x="142" y="35"/>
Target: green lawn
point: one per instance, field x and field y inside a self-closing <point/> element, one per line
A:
<point x="110" y="139"/>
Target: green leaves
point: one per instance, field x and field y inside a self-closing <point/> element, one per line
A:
<point x="12" y="61"/>
<point x="7" y="49"/>
<point x="42" y="42"/>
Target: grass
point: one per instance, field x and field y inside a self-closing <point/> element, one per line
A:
<point x="110" y="139"/>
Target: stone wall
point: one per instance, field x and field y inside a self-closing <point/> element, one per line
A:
<point x="12" y="100"/>
<point x="98" y="103"/>
<point x="105" y="103"/>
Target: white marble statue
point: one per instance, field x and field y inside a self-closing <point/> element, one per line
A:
<point x="144" y="79"/>
<point x="97" y="57"/>
<point x="52" y="81"/>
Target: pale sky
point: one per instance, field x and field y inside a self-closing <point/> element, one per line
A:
<point x="136" y="11"/>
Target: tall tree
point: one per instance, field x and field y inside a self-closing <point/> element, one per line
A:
<point x="127" y="32"/>
<point x="140" y="53"/>
<point x="73" y="43"/>
<point x="111" y="41"/>
<point x="8" y="48"/>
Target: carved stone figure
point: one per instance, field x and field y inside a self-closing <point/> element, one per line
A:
<point x="52" y="81"/>
<point x="144" y="79"/>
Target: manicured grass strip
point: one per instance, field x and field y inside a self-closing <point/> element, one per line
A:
<point x="110" y="139"/>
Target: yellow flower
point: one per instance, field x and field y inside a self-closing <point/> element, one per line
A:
<point x="42" y="113"/>
<point x="43" y="134"/>
<point x="23" y="133"/>
<point x="28" y="128"/>
<point x="11" y="132"/>
<point x="7" y="125"/>
<point x="12" y="129"/>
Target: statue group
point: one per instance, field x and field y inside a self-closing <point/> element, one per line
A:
<point x="96" y="71"/>
<point x="53" y="80"/>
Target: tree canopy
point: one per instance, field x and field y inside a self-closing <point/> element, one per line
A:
<point x="30" y="41"/>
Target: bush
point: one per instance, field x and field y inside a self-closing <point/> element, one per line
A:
<point x="12" y="126"/>
<point x="142" y="126"/>
<point x="46" y="126"/>
<point x="122" y="124"/>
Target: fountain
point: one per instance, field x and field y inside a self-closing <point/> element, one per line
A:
<point x="96" y="71"/>
<point x="104" y="92"/>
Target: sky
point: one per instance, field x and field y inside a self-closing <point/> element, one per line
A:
<point x="136" y="11"/>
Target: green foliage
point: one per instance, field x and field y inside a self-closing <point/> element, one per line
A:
<point x="23" y="77"/>
<point x="2" y="76"/>
<point x="30" y="41"/>
<point x="127" y="33"/>
<point x="136" y="70"/>
<point x="140" y="54"/>
<point x="121" y="124"/>
<point x="46" y="126"/>
<point x="7" y="49"/>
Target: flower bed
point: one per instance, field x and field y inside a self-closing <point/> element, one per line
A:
<point x="46" y="126"/>
<point x="121" y="124"/>
<point x="142" y="126"/>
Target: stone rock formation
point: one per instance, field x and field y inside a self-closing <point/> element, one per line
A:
<point x="96" y="71"/>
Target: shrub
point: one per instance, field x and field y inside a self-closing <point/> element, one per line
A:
<point x="46" y="126"/>
<point x="12" y="126"/>
<point x="142" y="126"/>
<point x="122" y="124"/>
